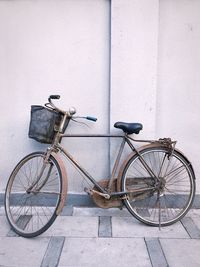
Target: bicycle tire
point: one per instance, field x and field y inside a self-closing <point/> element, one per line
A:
<point x="30" y="212"/>
<point x="176" y="189"/>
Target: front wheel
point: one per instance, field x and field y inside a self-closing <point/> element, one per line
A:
<point x="33" y="194"/>
<point x="161" y="192"/>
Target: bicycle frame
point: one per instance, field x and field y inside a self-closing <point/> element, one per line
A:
<point x="125" y="140"/>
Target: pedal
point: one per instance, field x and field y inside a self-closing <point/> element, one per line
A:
<point x="88" y="191"/>
<point x="92" y="191"/>
<point x="106" y="196"/>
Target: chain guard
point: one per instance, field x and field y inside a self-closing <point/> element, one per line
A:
<point x="101" y="202"/>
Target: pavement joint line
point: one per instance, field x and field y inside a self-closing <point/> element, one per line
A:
<point x="105" y="226"/>
<point x="156" y="254"/>
<point x="190" y="227"/>
<point x="53" y="252"/>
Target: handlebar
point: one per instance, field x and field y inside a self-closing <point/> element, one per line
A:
<point x="54" y="97"/>
<point x="91" y="118"/>
<point x="69" y="113"/>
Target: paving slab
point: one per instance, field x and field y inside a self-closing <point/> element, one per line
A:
<point x="53" y="252"/>
<point x="193" y="212"/>
<point x="100" y="212"/>
<point x="86" y="252"/>
<point x="67" y="211"/>
<point x="195" y="215"/>
<point x="4" y="226"/>
<point x="184" y="253"/>
<point x="71" y="226"/>
<point x="105" y="226"/>
<point x="17" y="251"/>
<point x="103" y="237"/>
<point x="156" y="253"/>
<point x="130" y="227"/>
<point x="191" y="227"/>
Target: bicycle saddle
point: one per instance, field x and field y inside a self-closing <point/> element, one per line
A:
<point x="129" y="128"/>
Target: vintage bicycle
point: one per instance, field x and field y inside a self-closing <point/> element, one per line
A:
<point x="156" y="182"/>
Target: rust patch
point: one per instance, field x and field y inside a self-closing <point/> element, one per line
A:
<point x="101" y="202"/>
<point x="64" y="182"/>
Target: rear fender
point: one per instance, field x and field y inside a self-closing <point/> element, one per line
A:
<point x="186" y="159"/>
<point x="133" y="153"/>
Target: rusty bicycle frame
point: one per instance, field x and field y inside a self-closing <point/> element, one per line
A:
<point x="106" y="193"/>
<point x="125" y="140"/>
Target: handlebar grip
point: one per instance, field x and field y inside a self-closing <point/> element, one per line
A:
<point x="54" y="96"/>
<point x="91" y="118"/>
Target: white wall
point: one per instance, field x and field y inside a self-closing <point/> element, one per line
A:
<point x="132" y="60"/>
<point x="178" y="91"/>
<point x="53" y="47"/>
<point x="134" y="36"/>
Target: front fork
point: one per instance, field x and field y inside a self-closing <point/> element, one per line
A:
<point x="35" y="186"/>
<point x="53" y="153"/>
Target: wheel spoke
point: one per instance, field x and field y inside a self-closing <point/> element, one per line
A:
<point x="32" y="212"/>
<point x="174" y="190"/>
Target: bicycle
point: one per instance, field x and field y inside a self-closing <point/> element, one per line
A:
<point x="156" y="182"/>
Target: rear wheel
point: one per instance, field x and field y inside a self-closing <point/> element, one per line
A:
<point x="164" y="197"/>
<point x="33" y="194"/>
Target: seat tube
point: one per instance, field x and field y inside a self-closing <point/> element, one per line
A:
<point x="114" y="170"/>
<point x="143" y="162"/>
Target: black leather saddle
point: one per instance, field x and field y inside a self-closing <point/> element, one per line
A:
<point x="129" y="128"/>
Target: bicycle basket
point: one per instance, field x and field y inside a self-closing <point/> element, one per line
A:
<point x="43" y="124"/>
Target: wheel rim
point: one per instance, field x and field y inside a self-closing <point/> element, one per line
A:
<point x="173" y="194"/>
<point x="30" y="211"/>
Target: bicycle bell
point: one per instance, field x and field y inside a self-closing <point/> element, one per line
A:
<point x="72" y="111"/>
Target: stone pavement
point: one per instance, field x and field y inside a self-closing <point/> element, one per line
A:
<point x="94" y="237"/>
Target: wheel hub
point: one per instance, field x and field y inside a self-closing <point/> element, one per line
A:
<point x="160" y="185"/>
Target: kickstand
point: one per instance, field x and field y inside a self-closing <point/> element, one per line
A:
<point x="159" y="212"/>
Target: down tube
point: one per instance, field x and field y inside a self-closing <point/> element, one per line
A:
<point x="76" y="164"/>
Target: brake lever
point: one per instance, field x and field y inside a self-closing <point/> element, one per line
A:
<point x="80" y="122"/>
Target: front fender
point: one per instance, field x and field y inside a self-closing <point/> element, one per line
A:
<point x="64" y="182"/>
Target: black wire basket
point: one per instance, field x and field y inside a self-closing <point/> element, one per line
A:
<point x="44" y="124"/>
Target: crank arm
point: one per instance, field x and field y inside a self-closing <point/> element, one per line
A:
<point x="92" y="191"/>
